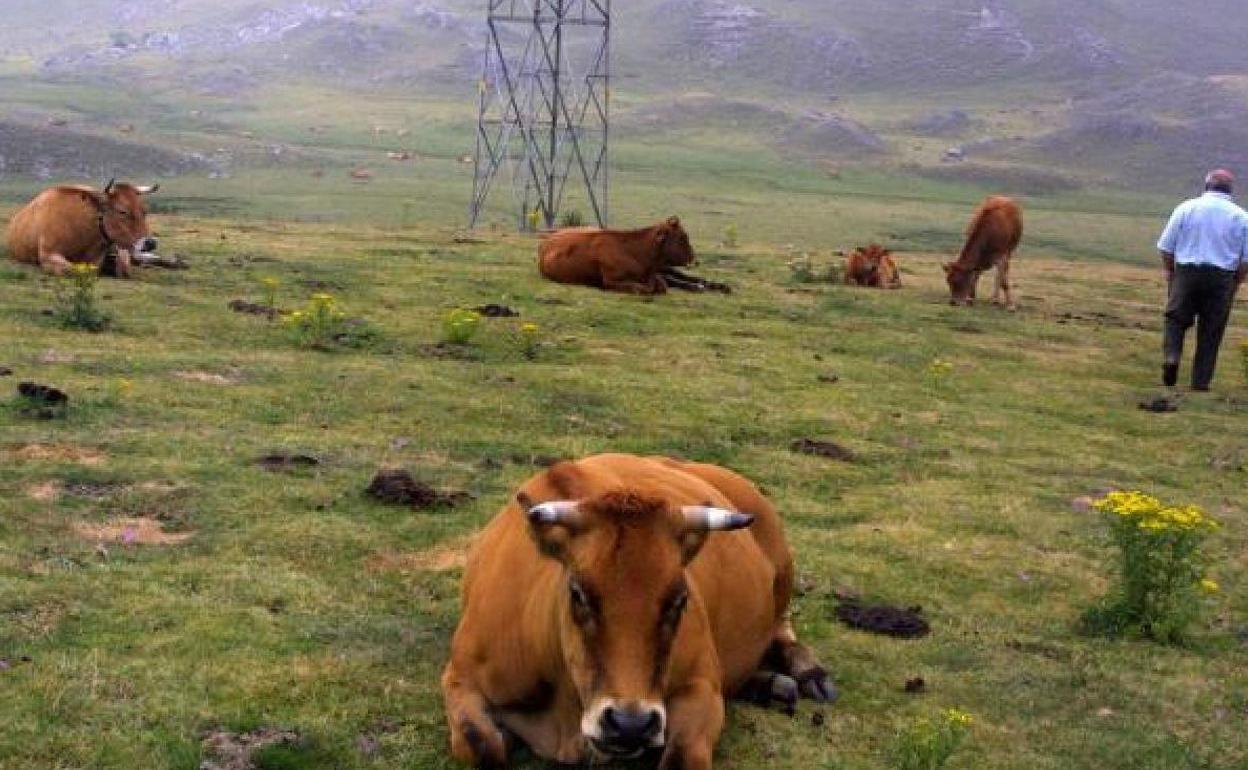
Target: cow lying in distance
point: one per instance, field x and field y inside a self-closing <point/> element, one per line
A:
<point x="991" y="240"/>
<point x="642" y="262"/>
<point x="610" y="608"/>
<point x="69" y="224"/>
<point x="873" y="267"/>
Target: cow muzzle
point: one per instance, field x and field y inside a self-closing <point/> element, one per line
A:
<point x="625" y="731"/>
<point x="145" y="245"/>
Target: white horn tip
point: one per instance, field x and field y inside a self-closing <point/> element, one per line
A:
<point x="551" y="513"/>
<point x="717" y="519"/>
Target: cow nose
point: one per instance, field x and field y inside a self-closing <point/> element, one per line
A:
<point x="150" y="244"/>
<point x="630" y="727"/>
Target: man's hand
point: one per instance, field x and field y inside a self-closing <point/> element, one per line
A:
<point x="1167" y="262"/>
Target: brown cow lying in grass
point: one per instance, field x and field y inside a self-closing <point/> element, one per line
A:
<point x="873" y="267"/>
<point x="631" y="262"/>
<point x="69" y="224"/>
<point x="991" y="239"/>
<point x="610" y="608"/>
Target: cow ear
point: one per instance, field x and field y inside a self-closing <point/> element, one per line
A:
<point x="673" y="222"/>
<point x="552" y="524"/>
<point x="108" y="188"/>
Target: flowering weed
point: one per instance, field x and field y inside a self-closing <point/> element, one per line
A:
<point x="929" y="743"/>
<point x="460" y="326"/>
<point x="323" y="325"/>
<point x="1162" y="567"/>
<point x="77" y="308"/>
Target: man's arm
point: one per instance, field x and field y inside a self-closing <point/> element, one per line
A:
<point x="1169" y="242"/>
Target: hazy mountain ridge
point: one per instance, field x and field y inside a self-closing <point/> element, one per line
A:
<point x="1101" y="90"/>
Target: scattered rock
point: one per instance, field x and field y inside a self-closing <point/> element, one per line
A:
<point x="497" y="311"/>
<point x="541" y="461"/>
<point x="5" y="371"/>
<point x="234" y="751"/>
<point x="251" y="308"/>
<point x="1160" y="405"/>
<point x="397" y="487"/>
<point x="829" y="379"/>
<point x="916" y="685"/>
<point x="130" y="531"/>
<point x="883" y="619"/>
<point x="281" y="461"/>
<point x="817" y="719"/>
<point x="828" y="449"/>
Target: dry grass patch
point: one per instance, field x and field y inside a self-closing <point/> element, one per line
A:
<point x="72" y="453"/>
<point x="209" y="378"/>
<point x="130" y="531"/>
<point x="444" y="557"/>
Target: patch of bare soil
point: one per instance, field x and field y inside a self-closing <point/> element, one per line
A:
<point x="284" y="461"/>
<point x="447" y="351"/>
<point x="497" y="311"/>
<point x="444" y="557"/>
<point x="130" y="531"/>
<point x="828" y="449"/>
<point x="233" y="751"/>
<point x="252" y="308"/>
<point x="53" y="452"/>
<point x="57" y="357"/>
<point x="46" y="492"/>
<point x="397" y="487"/>
<point x="882" y="619"/>
<point x="209" y="378"/>
<point x="42" y="402"/>
<point x="1160" y="404"/>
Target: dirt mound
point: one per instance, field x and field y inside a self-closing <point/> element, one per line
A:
<point x="444" y="557"/>
<point x="234" y="751"/>
<point x="883" y="619"/>
<point x="828" y="449"/>
<point x="397" y="487"/>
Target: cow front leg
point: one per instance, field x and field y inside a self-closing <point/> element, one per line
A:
<point x="695" y="718"/>
<point x="654" y="286"/>
<point x="53" y="263"/>
<point x="798" y="661"/>
<point x="123" y="263"/>
<point x="476" y="738"/>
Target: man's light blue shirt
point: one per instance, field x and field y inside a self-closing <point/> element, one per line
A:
<point x="1209" y="230"/>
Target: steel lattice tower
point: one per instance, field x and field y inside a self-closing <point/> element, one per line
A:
<point x="545" y="107"/>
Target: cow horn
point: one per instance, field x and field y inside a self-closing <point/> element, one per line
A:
<point x="707" y="518"/>
<point x="565" y="512"/>
<point x="108" y="188"/>
<point x="147" y="189"/>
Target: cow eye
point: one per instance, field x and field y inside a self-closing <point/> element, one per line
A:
<point x="582" y="610"/>
<point x="676" y="608"/>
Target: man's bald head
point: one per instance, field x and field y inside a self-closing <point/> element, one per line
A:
<point x="1221" y="181"/>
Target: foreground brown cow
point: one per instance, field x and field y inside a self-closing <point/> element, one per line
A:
<point x="632" y="262"/>
<point x="613" y="605"/>
<point x="873" y="267"/>
<point x="991" y="239"/>
<point x="70" y="224"/>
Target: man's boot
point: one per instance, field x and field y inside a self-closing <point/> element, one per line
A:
<point x="1170" y="375"/>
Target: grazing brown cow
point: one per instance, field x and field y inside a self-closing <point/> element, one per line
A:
<point x="70" y="224"/>
<point x="874" y="267"/>
<point x="991" y="239"/>
<point x="632" y="262"/>
<point x="610" y="608"/>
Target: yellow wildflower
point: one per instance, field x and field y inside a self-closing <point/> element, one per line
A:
<point x="1210" y="586"/>
<point x="956" y="716"/>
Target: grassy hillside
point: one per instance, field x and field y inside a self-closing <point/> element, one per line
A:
<point x="294" y="602"/>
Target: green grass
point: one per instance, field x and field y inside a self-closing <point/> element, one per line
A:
<point x="298" y="603"/>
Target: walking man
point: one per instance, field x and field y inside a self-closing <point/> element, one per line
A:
<point x="1205" y="252"/>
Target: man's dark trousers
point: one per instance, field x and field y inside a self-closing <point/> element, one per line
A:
<point x="1202" y="294"/>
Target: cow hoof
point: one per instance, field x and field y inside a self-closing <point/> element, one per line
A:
<point x="816" y="686"/>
